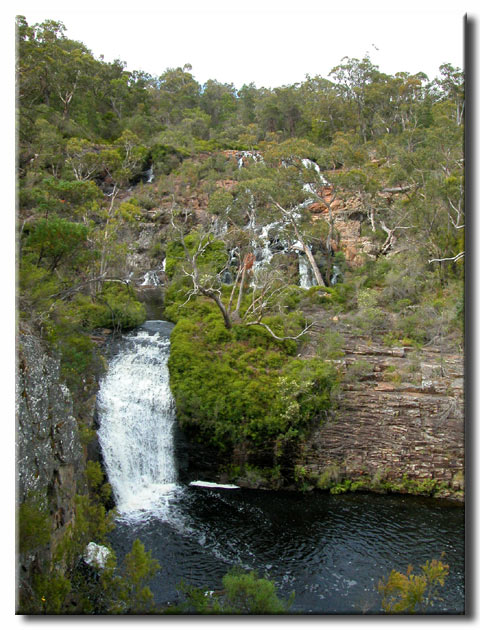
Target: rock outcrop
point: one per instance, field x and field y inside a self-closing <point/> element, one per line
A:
<point x="49" y="452"/>
<point x="399" y="422"/>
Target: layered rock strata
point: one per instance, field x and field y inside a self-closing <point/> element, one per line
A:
<point x="399" y="421"/>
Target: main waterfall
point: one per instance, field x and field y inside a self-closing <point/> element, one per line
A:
<point x="332" y="550"/>
<point x="136" y="413"/>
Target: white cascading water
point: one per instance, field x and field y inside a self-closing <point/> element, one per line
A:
<point x="137" y="414"/>
<point x="304" y="272"/>
<point x="150" y="279"/>
<point x="149" y="175"/>
<point x="262" y="242"/>
<point x="252" y="155"/>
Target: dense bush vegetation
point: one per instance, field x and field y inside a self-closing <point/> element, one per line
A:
<point x="244" y="593"/>
<point x="241" y="386"/>
<point x="89" y="132"/>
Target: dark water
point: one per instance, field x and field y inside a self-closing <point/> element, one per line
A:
<point x="330" y="550"/>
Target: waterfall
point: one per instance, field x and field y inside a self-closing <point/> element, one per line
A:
<point x="136" y="412"/>
<point x="252" y="155"/>
<point x="304" y="272"/>
<point x="149" y="175"/>
<point x="150" y="279"/>
<point x="269" y="239"/>
<point x="337" y="273"/>
<point x="310" y="164"/>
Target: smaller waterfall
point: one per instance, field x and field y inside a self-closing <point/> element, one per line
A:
<point x="150" y="279"/>
<point x="310" y="164"/>
<point x="270" y="239"/>
<point x="336" y="275"/>
<point x="149" y="176"/>
<point x="304" y="272"/>
<point x="252" y="155"/>
<point x="136" y="411"/>
<point x="220" y="227"/>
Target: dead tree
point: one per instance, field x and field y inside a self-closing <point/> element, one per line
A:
<point x="266" y="293"/>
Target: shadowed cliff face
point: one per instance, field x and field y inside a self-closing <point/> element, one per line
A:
<point x="49" y="452"/>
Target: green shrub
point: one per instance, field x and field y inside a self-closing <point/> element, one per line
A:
<point x="342" y="487"/>
<point x="358" y="371"/>
<point x="98" y="487"/>
<point x="167" y="157"/>
<point x="57" y="240"/>
<point x="244" y="593"/>
<point x="36" y="286"/>
<point x="138" y="568"/>
<point x="34" y="527"/>
<point x="242" y="384"/>
<point x="328" y="478"/>
<point x="123" y="310"/>
<point x="410" y="593"/>
<point x="213" y="258"/>
<point x="130" y="210"/>
<point x="341" y="297"/>
<point x="51" y="590"/>
<point x="292" y="297"/>
<point x="86" y="433"/>
<point x="330" y="345"/>
<point x="76" y="358"/>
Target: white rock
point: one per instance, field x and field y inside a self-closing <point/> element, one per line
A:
<point x="96" y="555"/>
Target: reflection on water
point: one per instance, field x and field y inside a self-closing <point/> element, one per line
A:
<point x="331" y="550"/>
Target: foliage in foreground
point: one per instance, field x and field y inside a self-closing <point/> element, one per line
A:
<point x="410" y="593"/>
<point x="244" y="593"/>
<point x="67" y="584"/>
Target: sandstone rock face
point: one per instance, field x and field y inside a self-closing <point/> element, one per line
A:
<point x="49" y="452"/>
<point x="403" y="416"/>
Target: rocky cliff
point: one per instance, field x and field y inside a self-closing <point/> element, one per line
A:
<point x="50" y="458"/>
<point x="49" y="452"/>
<point x="399" y="423"/>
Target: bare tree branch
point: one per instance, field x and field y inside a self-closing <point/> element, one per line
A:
<point x="390" y="240"/>
<point x="397" y="189"/>
<point x="453" y="258"/>
<point x="293" y="338"/>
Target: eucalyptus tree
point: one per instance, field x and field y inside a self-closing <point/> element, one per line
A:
<point x="53" y="70"/>
<point x="323" y="112"/>
<point x="247" y="99"/>
<point x="219" y="101"/>
<point x="361" y="85"/>
<point x="120" y="163"/>
<point x="451" y="87"/>
<point x="177" y="91"/>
